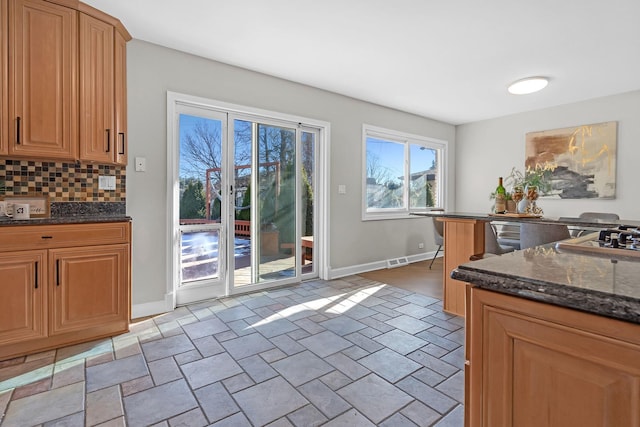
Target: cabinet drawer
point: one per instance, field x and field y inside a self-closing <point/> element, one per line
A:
<point x="14" y="238"/>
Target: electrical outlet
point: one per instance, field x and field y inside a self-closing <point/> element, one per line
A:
<point x="107" y="182"/>
<point x="420" y="245"/>
<point x="141" y="164"/>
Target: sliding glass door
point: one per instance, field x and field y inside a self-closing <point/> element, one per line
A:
<point x="245" y="202"/>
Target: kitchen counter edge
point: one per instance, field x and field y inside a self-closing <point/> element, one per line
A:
<point x="81" y="219"/>
<point x="586" y="300"/>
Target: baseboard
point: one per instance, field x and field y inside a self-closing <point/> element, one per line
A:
<point x="152" y="308"/>
<point x="336" y="273"/>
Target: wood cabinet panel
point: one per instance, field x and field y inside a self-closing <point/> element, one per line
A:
<point x="22" y="296"/>
<point x="83" y="277"/>
<point x="63" y="235"/>
<point x="87" y="287"/>
<point x="121" y="100"/>
<point x="43" y="107"/>
<point x="4" y="86"/>
<point x="97" y="133"/>
<point x="531" y="367"/>
<point x="463" y="238"/>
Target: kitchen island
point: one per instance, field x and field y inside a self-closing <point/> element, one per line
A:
<point x="552" y="339"/>
<point x="464" y="238"/>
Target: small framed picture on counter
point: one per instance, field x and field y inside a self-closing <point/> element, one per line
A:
<point x="38" y="204"/>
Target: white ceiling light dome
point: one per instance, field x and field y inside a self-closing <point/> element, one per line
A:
<point x="528" y="85"/>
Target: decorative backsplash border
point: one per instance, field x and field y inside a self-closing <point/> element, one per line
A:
<point x="63" y="182"/>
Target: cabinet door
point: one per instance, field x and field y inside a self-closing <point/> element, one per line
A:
<point x="89" y="287"/>
<point x="121" y="98"/>
<point x="4" y="36"/>
<point x="22" y="296"/>
<point x="541" y="373"/>
<point x="43" y="107"/>
<point x="97" y="134"/>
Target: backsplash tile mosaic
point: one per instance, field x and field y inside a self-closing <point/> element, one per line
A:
<point x="63" y="182"/>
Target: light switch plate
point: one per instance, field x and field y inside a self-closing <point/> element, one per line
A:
<point x="107" y="182"/>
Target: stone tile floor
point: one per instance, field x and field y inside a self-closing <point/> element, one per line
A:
<point x="348" y="352"/>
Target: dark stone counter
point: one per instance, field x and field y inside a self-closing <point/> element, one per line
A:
<point x="76" y="213"/>
<point x="605" y="286"/>
<point x="586" y="223"/>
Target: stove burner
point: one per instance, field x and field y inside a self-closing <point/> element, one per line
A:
<point x="620" y="238"/>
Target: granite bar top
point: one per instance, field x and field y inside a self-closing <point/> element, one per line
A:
<point x="603" y="285"/>
<point x="589" y="223"/>
<point x="76" y="213"/>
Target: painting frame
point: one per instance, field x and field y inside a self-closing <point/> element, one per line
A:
<point x="578" y="162"/>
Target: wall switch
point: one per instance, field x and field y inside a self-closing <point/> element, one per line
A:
<point x="141" y="164"/>
<point x="107" y="182"/>
<point x="342" y="189"/>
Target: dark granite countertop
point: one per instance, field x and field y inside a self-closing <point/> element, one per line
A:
<point x="79" y="219"/>
<point x="76" y="213"/>
<point x="605" y="286"/>
<point x="589" y="223"/>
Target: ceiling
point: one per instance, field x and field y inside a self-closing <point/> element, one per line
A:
<point x="450" y="60"/>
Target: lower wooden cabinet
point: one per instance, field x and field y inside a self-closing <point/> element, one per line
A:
<point x="88" y="287"/>
<point x="23" y="290"/>
<point x="534" y="364"/>
<point x="74" y="287"/>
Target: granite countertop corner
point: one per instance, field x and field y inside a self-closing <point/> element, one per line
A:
<point x="603" y="285"/>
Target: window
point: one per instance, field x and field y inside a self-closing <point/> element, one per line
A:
<point x="391" y="160"/>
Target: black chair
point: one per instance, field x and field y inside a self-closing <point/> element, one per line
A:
<point x="438" y="237"/>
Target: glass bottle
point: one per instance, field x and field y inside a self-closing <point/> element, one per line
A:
<point x="501" y="198"/>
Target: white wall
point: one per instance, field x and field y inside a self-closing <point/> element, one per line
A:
<point x="490" y="148"/>
<point x="152" y="70"/>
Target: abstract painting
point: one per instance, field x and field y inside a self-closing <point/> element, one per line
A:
<point x="577" y="162"/>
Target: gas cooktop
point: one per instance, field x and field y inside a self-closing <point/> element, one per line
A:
<point x="619" y="241"/>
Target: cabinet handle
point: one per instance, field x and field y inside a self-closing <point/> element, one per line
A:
<point x="36" y="274"/>
<point x="18" y="131"/>
<point x="122" y="135"/>
<point x="47" y="237"/>
<point x="108" y="140"/>
<point x="57" y="272"/>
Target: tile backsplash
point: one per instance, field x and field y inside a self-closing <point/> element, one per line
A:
<point x="62" y="181"/>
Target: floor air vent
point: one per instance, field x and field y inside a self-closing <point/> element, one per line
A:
<point x="397" y="262"/>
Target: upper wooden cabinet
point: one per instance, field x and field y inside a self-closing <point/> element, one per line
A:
<point x="66" y="82"/>
<point x="4" y="93"/>
<point x="121" y="99"/>
<point x="43" y="114"/>
<point x="96" y="90"/>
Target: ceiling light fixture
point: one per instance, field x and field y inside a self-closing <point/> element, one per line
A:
<point x="528" y="85"/>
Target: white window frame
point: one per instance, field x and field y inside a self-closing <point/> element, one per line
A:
<point x="407" y="139"/>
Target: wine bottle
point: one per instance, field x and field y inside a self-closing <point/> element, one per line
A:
<point x="501" y="198"/>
